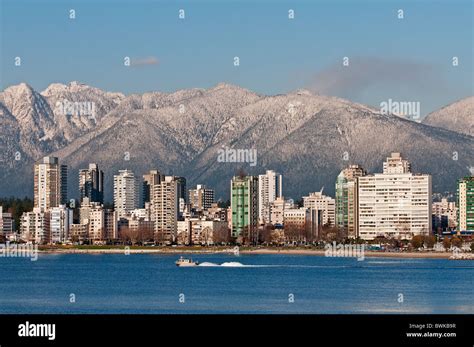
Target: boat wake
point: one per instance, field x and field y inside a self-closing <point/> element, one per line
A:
<point x="228" y="264"/>
<point x="237" y="264"/>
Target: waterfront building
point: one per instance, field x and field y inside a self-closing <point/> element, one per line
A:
<point x="126" y="194"/>
<point x="201" y="231"/>
<point x="78" y="232"/>
<point x="324" y="203"/>
<point x="165" y="209"/>
<point x="444" y="214"/>
<point x="270" y="186"/>
<point x="6" y="223"/>
<point x="465" y="201"/>
<point x="347" y="199"/>
<point x="302" y="223"/>
<point x="244" y="205"/>
<point x="59" y="223"/>
<point x="277" y="209"/>
<point x="50" y="183"/>
<point x="34" y="226"/>
<point x="395" y="203"/>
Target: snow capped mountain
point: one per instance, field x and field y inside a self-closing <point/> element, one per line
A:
<point x="309" y="138"/>
<point x="458" y="116"/>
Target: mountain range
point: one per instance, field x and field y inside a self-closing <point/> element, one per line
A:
<point x="307" y="137"/>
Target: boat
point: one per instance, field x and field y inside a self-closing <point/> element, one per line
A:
<point x="186" y="262"/>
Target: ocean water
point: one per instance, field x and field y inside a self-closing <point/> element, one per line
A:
<point x="151" y="283"/>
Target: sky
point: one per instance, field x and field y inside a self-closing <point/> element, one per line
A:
<point x="407" y="59"/>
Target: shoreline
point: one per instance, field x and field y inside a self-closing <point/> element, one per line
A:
<point x="259" y="251"/>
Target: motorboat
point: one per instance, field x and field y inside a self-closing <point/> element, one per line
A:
<point x="186" y="262"/>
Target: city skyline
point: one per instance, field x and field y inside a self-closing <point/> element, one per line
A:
<point x="247" y="158"/>
<point x="396" y="203"/>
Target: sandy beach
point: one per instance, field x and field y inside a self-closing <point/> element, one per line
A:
<point x="202" y="250"/>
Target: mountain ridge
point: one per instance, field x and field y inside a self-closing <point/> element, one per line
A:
<point x="303" y="135"/>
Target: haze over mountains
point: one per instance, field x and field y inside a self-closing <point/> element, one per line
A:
<point x="304" y="136"/>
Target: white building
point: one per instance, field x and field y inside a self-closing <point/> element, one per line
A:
<point x="305" y="222"/>
<point x="326" y="204"/>
<point x="50" y="183"/>
<point x="6" y="222"/>
<point x="277" y="209"/>
<point x="165" y="209"/>
<point x="201" y="231"/>
<point x="34" y="226"/>
<point x="270" y="186"/>
<point x="142" y="213"/>
<point x="395" y="164"/>
<point x="444" y="214"/>
<point x="396" y="203"/>
<point x="101" y="222"/>
<point x="96" y="223"/>
<point x="126" y="193"/>
<point x="60" y="220"/>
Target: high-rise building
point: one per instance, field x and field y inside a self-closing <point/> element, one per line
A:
<point x="319" y="201"/>
<point x="396" y="203"/>
<point x="126" y="194"/>
<point x="201" y="198"/>
<point x="150" y="180"/>
<point x="465" y="201"/>
<point x="346" y="199"/>
<point x="91" y="184"/>
<point x="59" y="223"/>
<point x="182" y="195"/>
<point x="244" y="205"/>
<point x="270" y="186"/>
<point x="50" y="183"/>
<point x="165" y="209"/>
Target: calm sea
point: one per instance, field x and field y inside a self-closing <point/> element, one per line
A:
<point x="148" y="283"/>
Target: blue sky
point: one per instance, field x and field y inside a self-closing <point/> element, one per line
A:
<point x="406" y="60"/>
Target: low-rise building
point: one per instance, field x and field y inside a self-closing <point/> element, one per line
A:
<point x="6" y="223"/>
<point x="34" y="226"/>
<point x="202" y="231"/>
